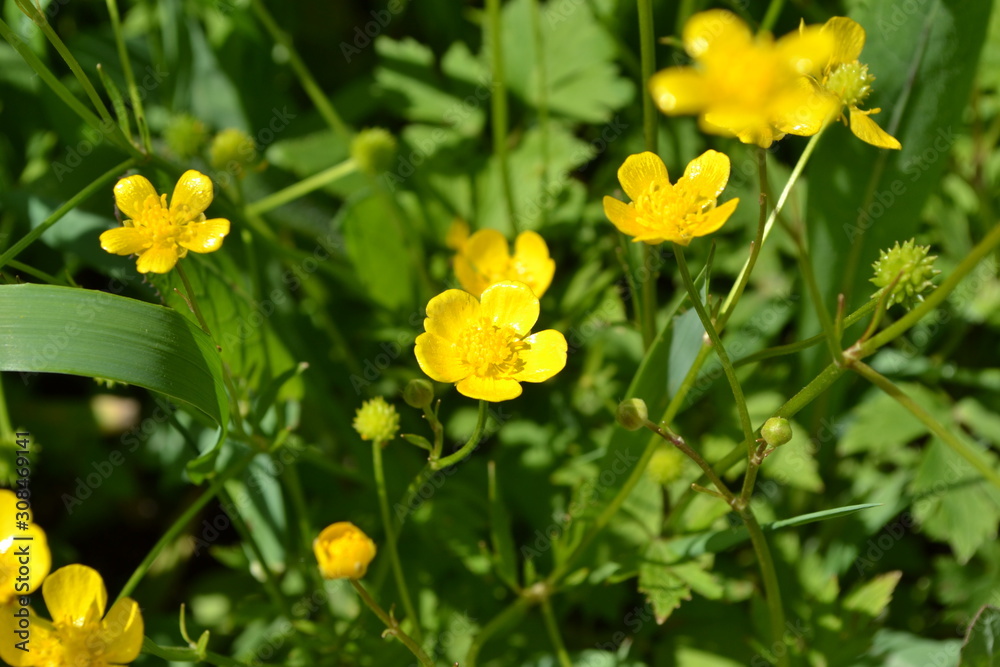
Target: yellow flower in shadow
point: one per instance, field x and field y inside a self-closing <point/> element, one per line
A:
<point x="661" y="211"/>
<point x="850" y="82"/>
<point x="484" y="259"/>
<point x="13" y="541"/>
<point x="486" y="346"/>
<point x="159" y="234"/>
<point x="747" y="86"/>
<point x="79" y="633"/>
<point x="343" y="551"/>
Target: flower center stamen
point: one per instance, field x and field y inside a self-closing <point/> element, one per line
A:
<point x="851" y="82"/>
<point x="491" y="350"/>
<point x="678" y="205"/>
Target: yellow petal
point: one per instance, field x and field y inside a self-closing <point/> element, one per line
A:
<point x="489" y="388"/>
<point x="485" y="254"/>
<point x="531" y="258"/>
<point x="131" y="194"/>
<point x="545" y="357"/>
<point x="708" y="174"/>
<point x="716" y="218"/>
<point x="125" y="240"/>
<point x="848" y="39"/>
<point x="806" y="51"/>
<point x="450" y="313"/>
<point x="471" y="280"/>
<point x="45" y="648"/>
<point x="804" y="108"/>
<point x="622" y="216"/>
<point x="750" y="127"/>
<point x="641" y="170"/>
<point x="205" y="236"/>
<point x="715" y="29"/>
<point x="158" y="259"/>
<point x="75" y="595"/>
<point x="868" y="131"/>
<point x="193" y="193"/>
<point x="679" y="90"/>
<point x="440" y="359"/>
<point x="121" y="632"/>
<point x="511" y="303"/>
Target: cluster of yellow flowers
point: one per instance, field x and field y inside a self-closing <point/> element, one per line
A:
<point x="79" y="632"/>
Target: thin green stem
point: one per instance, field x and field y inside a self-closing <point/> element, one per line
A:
<point x="829" y="331"/>
<point x="647" y="54"/>
<point x="303" y="187"/>
<point x="180" y="523"/>
<point x="117" y="101"/>
<point x="750" y="478"/>
<point x="543" y="94"/>
<point x="309" y="84"/>
<point x="133" y="90"/>
<point x="552" y="627"/>
<point x="187" y="654"/>
<point x="678" y="398"/>
<point x="34" y="273"/>
<point x="497" y="623"/>
<point x="469" y="446"/>
<point x="193" y="301"/>
<point x="686" y="449"/>
<point x="6" y="428"/>
<point x="70" y="204"/>
<point x="771" y="17"/>
<point x="498" y="106"/>
<point x="390" y="540"/>
<point x="956" y="444"/>
<point x="706" y="321"/>
<point x="392" y="626"/>
<point x="772" y="591"/>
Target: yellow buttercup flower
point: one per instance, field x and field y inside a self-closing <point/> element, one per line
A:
<point x="747" y="86"/>
<point x="79" y="633"/>
<point x="484" y="259"/>
<point x="457" y="235"/>
<point x="661" y="211"/>
<point x="485" y="346"/>
<point x="159" y="234"/>
<point x="343" y="551"/>
<point x="850" y="81"/>
<point x="14" y="542"/>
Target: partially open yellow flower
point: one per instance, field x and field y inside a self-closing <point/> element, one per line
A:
<point x="20" y="546"/>
<point x="747" y="86"/>
<point x="79" y="633"/>
<point x="159" y="234"/>
<point x="660" y="211"/>
<point x="486" y="346"/>
<point x="343" y="551"/>
<point x="484" y="259"/>
<point x="849" y="81"/>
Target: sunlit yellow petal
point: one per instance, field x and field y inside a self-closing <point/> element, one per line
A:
<point x="121" y="633"/>
<point x="510" y="303"/>
<point x="44" y="647"/>
<point x="803" y="109"/>
<point x="749" y="126"/>
<point x="484" y="255"/>
<point x="471" y="280"/>
<point x="708" y="174"/>
<point x="131" y="194"/>
<point x="158" y="259"/>
<point x="125" y="240"/>
<point x="192" y="194"/>
<point x="75" y="595"/>
<point x="641" y="170"/>
<point x="450" y="313"/>
<point x="716" y="218"/>
<point x="205" y="236"/>
<point x="679" y="90"/>
<point x="806" y="51"/>
<point x="489" y="388"/>
<point x="622" y="216"/>
<point x="532" y="260"/>
<point x="545" y="357"/>
<point x="458" y="234"/>
<point x="868" y="131"/>
<point x="848" y="39"/>
<point x="439" y="358"/>
<point x="716" y="28"/>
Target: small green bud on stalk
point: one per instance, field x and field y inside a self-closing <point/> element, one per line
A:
<point x="418" y="393"/>
<point x="776" y="431"/>
<point x="632" y="413"/>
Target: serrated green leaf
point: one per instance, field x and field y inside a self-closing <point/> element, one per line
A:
<point x="662" y="586"/>
<point x="873" y="596"/>
<point x="50" y="329"/>
<point x="982" y="641"/>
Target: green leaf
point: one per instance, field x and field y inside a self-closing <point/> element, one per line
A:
<point x="982" y="642"/>
<point x="504" y="554"/>
<point x="376" y="248"/>
<point x="664" y="589"/>
<point x="49" y="329"/>
<point x="872" y="597"/>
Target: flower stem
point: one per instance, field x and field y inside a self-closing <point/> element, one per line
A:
<point x="513" y="611"/>
<point x="680" y="444"/>
<point x="553" y="629"/>
<point x="647" y="53"/>
<point x="390" y="539"/>
<point x="829" y="331"/>
<point x="468" y="447"/>
<point x="771" y="17"/>
<point x="772" y="591"/>
<point x="70" y="204"/>
<point x="392" y="626"/>
<point x="498" y="105"/>
<point x="133" y="90"/>
<point x="956" y="444"/>
<point x="309" y="84"/>
<point x="303" y="187"/>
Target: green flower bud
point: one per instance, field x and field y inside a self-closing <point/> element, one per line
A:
<point x="632" y="413"/>
<point x="376" y="420"/>
<point x="666" y="465"/>
<point x="418" y="393"/>
<point x="914" y="268"/>
<point x="232" y="150"/>
<point x="776" y="431"/>
<point x="373" y="150"/>
<point x="185" y="135"/>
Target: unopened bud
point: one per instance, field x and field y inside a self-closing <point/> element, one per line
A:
<point x="776" y="431"/>
<point x="632" y="413"/>
<point x="373" y="149"/>
<point x="376" y="420"/>
<point x="418" y="393"/>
